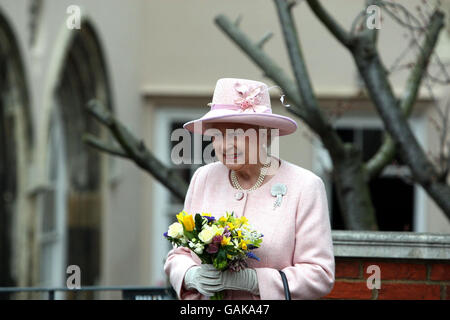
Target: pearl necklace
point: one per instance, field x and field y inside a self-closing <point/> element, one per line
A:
<point x="259" y="181"/>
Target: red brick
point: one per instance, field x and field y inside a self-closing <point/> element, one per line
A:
<point x="347" y="269"/>
<point x="447" y="292"/>
<point x="350" y="290"/>
<point x="397" y="271"/>
<point x="409" y="291"/>
<point x="440" y="271"/>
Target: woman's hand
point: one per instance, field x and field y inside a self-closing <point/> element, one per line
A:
<point x="205" y="278"/>
<point x="245" y="279"/>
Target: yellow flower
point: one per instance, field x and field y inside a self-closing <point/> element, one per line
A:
<point x="243" y="245"/>
<point x="180" y="216"/>
<point x="239" y="234"/>
<point x="188" y="222"/>
<point x="231" y="226"/>
<point x="205" y="214"/>
<point x="244" y="220"/>
<point x="225" y="241"/>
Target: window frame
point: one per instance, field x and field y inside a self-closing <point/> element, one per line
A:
<point x="162" y="208"/>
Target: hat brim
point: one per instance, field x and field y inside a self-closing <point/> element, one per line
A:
<point x="285" y="125"/>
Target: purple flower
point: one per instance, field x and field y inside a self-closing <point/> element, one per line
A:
<point x="226" y="232"/>
<point x="212" y="248"/>
<point x="210" y="219"/>
<point x="165" y="234"/>
<point x="252" y="255"/>
<point x="217" y="240"/>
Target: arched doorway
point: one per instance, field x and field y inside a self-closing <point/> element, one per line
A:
<point x="15" y="145"/>
<point x="77" y="183"/>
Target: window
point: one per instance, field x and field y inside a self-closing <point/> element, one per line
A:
<point x="187" y="170"/>
<point x="392" y="192"/>
<point x="165" y="205"/>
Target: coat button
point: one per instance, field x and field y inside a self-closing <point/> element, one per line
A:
<point x="239" y="195"/>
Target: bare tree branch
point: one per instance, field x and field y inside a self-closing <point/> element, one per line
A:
<point x="387" y="150"/>
<point x="330" y="23"/>
<point x="372" y="71"/>
<point x="102" y="146"/>
<point x="298" y="64"/>
<point x="384" y="156"/>
<point x="315" y="118"/>
<point x="411" y="23"/>
<point x="135" y="150"/>
<point x="307" y="112"/>
<point x="268" y="66"/>
<point x="264" y="39"/>
<point x="348" y="168"/>
<point x="355" y="27"/>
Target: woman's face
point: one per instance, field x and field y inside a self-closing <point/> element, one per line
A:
<point x="237" y="145"/>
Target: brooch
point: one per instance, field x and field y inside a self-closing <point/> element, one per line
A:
<point x="278" y="190"/>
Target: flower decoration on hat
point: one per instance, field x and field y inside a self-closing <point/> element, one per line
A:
<point x="249" y="97"/>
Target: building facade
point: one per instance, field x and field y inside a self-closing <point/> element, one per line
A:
<point x="154" y="65"/>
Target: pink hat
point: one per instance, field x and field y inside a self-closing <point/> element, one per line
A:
<point x="242" y="101"/>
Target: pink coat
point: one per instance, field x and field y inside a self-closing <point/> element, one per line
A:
<point x="297" y="235"/>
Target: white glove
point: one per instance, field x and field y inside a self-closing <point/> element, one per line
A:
<point x="205" y="278"/>
<point x="245" y="279"/>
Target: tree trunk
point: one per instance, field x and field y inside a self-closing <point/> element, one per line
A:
<point x="349" y="176"/>
<point x="372" y="71"/>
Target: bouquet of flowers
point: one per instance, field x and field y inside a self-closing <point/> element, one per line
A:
<point x="225" y="243"/>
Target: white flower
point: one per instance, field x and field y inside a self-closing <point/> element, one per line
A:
<point x="198" y="250"/>
<point x="175" y="230"/>
<point x="208" y="233"/>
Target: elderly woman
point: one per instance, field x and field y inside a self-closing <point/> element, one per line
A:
<point x="285" y="202"/>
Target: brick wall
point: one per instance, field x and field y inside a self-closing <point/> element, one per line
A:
<point x="401" y="279"/>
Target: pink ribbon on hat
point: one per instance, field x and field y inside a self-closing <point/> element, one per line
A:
<point x="249" y="100"/>
<point x="250" y="109"/>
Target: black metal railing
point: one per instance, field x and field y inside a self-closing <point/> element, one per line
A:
<point x="128" y="292"/>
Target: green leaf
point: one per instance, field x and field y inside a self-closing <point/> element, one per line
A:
<point x="198" y="222"/>
<point x="189" y="234"/>
<point x="220" y="262"/>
